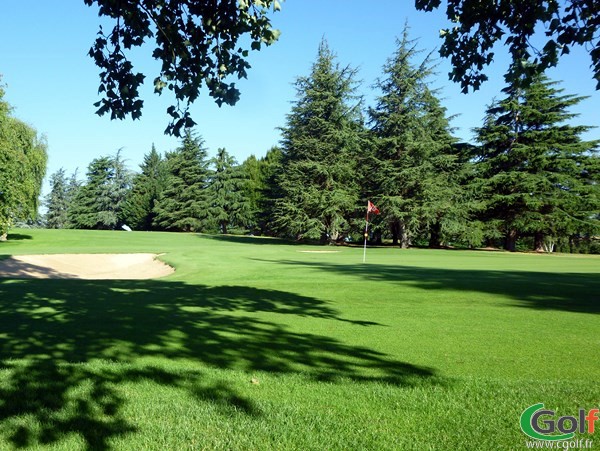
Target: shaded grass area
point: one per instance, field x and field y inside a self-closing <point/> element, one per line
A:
<point x="21" y="269"/>
<point x="19" y="236"/>
<point x="127" y="320"/>
<point x="248" y="239"/>
<point x="48" y="325"/>
<point x="571" y="292"/>
<point x="262" y="347"/>
<point x="104" y="405"/>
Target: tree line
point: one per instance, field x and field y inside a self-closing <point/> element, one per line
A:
<point x="529" y="182"/>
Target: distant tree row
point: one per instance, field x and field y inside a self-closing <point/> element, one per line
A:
<point x="530" y="181"/>
<point x="182" y="191"/>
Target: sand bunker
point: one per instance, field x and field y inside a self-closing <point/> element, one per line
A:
<point x="84" y="266"/>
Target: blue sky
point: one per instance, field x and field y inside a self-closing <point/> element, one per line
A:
<point x="52" y="83"/>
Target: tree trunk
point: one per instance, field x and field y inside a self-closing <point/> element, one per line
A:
<point x="538" y="242"/>
<point x="395" y="230"/>
<point x="549" y="246"/>
<point x="435" y="235"/>
<point x="377" y="238"/>
<point x="510" y="242"/>
<point x="404" y="238"/>
<point x="224" y="228"/>
<point x="324" y="238"/>
<point x="4" y="237"/>
<point x="335" y="237"/>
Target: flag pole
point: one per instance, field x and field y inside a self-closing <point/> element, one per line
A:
<point x="374" y="209"/>
<point x="366" y="235"/>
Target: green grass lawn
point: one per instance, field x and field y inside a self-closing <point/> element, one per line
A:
<point x="416" y="349"/>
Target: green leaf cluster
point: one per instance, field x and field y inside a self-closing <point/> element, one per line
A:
<point x="262" y="190"/>
<point x="197" y="43"/>
<point x="478" y="26"/>
<point x="58" y="201"/>
<point x="228" y="204"/>
<point x="23" y="156"/>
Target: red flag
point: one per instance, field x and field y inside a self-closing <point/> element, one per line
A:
<point x="372" y="208"/>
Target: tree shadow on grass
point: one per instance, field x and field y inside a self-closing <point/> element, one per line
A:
<point x="55" y="334"/>
<point x="570" y="292"/>
<point x="11" y="267"/>
<point x="246" y="239"/>
<point x="18" y="237"/>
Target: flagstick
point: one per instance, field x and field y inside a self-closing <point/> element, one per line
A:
<point x="374" y="209"/>
<point x="366" y="234"/>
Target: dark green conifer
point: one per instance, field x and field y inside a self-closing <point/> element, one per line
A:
<point x="319" y="182"/>
<point x="536" y="174"/>
<point x="146" y="189"/>
<point x="414" y="175"/>
<point x="183" y="205"/>
<point x="99" y="201"/>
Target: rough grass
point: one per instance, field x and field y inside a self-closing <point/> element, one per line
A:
<point x="252" y="344"/>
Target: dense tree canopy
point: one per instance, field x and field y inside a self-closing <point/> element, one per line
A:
<point x="262" y="190"/>
<point x="530" y="181"/>
<point x="183" y="204"/>
<point x="198" y="43"/>
<point x="22" y="168"/>
<point x="478" y="25"/>
<point x="319" y="179"/>
<point x="414" y="170"/>
<point x="537" y="175"/>
<point x="98" y="203"/>
<point x="58" y="201"/>
<point x="228" y="204"/>
<point x="147" y="187"/>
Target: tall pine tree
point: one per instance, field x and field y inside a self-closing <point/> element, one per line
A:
<point x="415" y="170"/>
<point x="58" y="201"/>
<point x="261" y="190"/>
<point x="93" y="206"/>
<point x="229" y="206"/>
<point x="147" y="187"/>
<point x="183" y="205"/>
<point x="535" y="172"/>
<point x="251" y="169"/>
<point x="318" y="184"/>
<point x="73" y="187"/>
<point x="121" y="185"/>
<point x="98" y="203"/>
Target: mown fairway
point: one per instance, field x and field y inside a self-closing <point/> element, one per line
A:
<point x="416" y="349"/>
